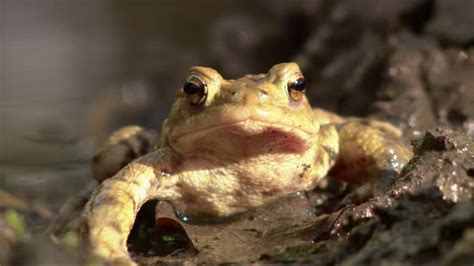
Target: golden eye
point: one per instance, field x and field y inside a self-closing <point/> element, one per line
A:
<point x="195" y="90"/>
<point x="296" y="88"/>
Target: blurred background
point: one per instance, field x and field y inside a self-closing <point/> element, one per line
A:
<point x="73" y="71"/>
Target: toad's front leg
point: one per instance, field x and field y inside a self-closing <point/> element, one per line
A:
<point x="367" y="152"/>
<point x="110" y="213"/>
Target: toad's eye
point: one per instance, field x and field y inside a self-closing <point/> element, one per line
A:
<point x="296" y="88"/>
<point x="195" y="90"/>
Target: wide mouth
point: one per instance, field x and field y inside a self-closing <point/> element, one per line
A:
<point x="246" y="137"/>
<point x="247" y="127"/>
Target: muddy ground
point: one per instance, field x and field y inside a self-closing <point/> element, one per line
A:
<point x="407" y="62"/>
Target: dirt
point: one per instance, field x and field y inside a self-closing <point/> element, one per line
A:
<point x="425" y="218"/>
<point x="407" y="62"/>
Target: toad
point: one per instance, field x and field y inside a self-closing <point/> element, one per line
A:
<point x="228" y="146"/>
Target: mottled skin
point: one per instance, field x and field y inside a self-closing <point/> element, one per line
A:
<point x="246" y="143"/>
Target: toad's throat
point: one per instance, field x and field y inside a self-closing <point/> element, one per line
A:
<point x="246" y="138"/>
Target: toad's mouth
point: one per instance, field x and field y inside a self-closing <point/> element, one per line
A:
<point x="247" y="137"/>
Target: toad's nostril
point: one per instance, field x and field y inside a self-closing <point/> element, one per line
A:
<point x="263" y="91"/>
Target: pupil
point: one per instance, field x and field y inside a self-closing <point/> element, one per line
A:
<point x="190" y="88"/>
<point x="298" y="84"/>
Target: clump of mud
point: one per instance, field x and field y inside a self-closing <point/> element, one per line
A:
<point x="425" y="218"/>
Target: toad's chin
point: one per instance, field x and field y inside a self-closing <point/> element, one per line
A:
<point x="244" y="138"/>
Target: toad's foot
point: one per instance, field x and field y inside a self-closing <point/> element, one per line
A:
<point x="66" y="215"/>
<point x="369" y="156"/>
<point x="110" y="213"/>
